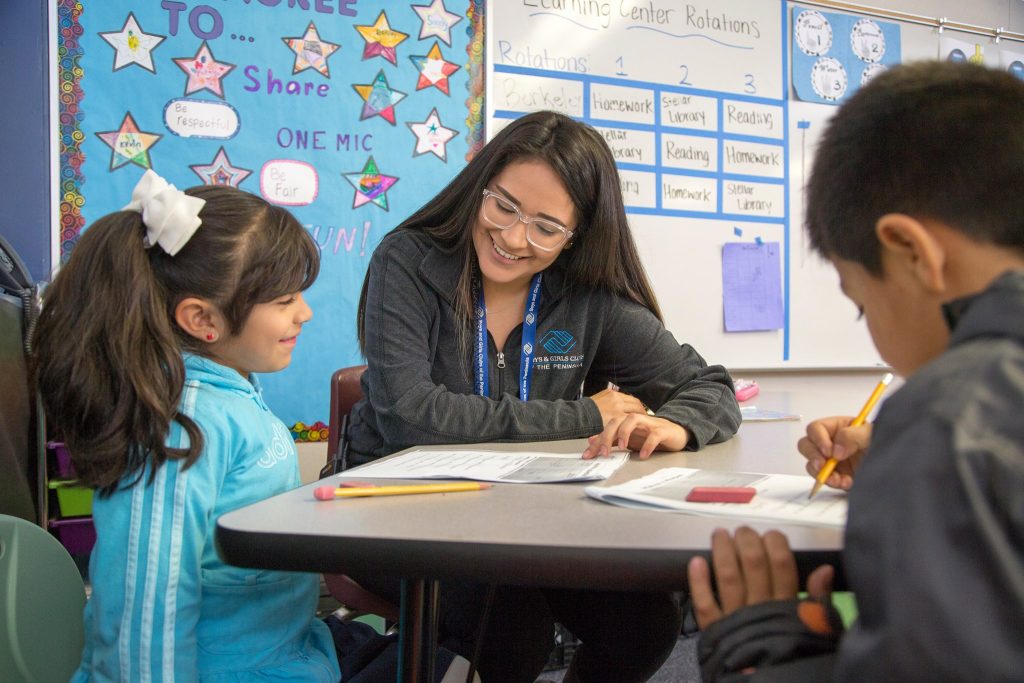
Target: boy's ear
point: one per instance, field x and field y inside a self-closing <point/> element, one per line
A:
<point x="908" y="243"/>
<point x="199" y="318"/>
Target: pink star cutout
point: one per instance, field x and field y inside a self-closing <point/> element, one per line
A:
<point x="204" y="72"/>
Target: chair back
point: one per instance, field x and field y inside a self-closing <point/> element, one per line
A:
<point x="21" y="440"/>
<point x="41" y="601"/>
<point x="345" y="393"/>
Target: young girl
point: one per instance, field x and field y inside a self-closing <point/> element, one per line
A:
<point x="483" y="315"/>
<point x="144" y="358"/>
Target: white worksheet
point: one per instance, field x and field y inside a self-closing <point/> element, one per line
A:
<point x="508" y="467"/>
<point x="779" y="497"/>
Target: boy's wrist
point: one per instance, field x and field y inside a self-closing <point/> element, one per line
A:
<point x="766" y="634"/>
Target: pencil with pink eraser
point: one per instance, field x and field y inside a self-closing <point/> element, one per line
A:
<point x="830" y="465"/>
<point x="331" y="492"/>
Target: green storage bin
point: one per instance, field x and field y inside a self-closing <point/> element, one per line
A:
<point x="846" y="604"/>
<point x="73" y="500"/>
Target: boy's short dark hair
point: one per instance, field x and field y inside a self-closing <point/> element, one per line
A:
<point x="933" y="140"/>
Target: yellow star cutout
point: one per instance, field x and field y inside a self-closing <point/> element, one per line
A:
<point x="381" y="39"/>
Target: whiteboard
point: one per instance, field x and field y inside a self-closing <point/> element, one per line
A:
<point x="713" y="147"/>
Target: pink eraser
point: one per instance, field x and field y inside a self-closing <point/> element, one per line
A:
<point x="746" y="389"/>
<point x="324" y="493"/>
<point x="720" y="494"/>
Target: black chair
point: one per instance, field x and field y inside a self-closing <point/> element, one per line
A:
<point x="345" y="393"/>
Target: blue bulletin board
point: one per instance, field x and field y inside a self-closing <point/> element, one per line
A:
<point x="351" y="113"/>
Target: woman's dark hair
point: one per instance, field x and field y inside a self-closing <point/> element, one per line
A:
<point x="603" y="254"/>
<point x="107" y="359"/>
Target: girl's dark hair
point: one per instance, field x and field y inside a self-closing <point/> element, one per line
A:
<point x="107" y="359"/>
<point x="603" y="253"/>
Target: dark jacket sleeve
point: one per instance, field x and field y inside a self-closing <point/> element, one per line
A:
<point x="642" y="358"/>
<point x="402" y="322"/>
<point x="778" y="641"/>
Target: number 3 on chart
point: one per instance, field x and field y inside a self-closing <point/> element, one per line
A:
<point x="748" y="84"/>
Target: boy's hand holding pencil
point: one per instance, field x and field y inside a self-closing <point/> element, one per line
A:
<point x="855" y="439"/>
<point x="834" y="437"/>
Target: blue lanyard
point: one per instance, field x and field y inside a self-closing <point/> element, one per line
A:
<point x="483" y="384"/>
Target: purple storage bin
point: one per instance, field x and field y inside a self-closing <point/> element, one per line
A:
<point x="61" y="459"/>
<point x="77" y="535"/>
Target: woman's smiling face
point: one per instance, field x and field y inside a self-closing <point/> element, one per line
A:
<point x="506" y="257"/>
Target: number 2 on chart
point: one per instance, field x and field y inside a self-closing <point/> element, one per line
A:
<point x="686" y="75"/>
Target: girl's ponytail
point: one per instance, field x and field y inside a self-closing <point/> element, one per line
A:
<point x="107" y="360"/>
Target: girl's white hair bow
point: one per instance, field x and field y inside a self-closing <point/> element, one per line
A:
<point x="171" y="217"/>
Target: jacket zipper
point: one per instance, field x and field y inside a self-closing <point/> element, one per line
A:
<point x="501" y="373"/>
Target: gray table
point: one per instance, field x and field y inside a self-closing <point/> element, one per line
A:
<point x="546" y="535"/>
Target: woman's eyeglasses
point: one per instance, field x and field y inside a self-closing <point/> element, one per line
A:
<point x="502" y="214"/>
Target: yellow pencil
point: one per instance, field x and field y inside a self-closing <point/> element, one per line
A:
<point x="330" y="492"/>
<point x="830" y="464"/>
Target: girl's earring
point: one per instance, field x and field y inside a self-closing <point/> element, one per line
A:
<point x="210" y="336"/>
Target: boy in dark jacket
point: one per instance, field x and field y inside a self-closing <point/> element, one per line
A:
<point x="916" y="198"/>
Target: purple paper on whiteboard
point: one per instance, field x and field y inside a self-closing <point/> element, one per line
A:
<point x="752" y="286"/>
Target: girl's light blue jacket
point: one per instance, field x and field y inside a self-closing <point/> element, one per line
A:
<point x="164" y="606"/>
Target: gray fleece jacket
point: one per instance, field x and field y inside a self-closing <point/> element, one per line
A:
<point x="419" y="383"/>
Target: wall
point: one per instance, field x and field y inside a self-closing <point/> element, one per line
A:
<point x="25" y="143"/>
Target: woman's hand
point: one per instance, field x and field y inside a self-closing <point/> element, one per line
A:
<point x="749" y="569"/>
<point x="637" y="432"/>
<point x="834" y="437"/>
<point x="615" y="404"/>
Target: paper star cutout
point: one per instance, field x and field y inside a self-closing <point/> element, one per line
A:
<point x="220" y="171"/>
<point x="371" y="185"/>
<point x="434" y="70"/>
<point x="437" y="21"/>
<point x="129" y="144"/>
<point x="310" y="51"/>
<point x="133" y="45"/>
<point x="431" y="136"/>
<point x="379" y="99"/>
<point x="381" y="39"/>
<point x="204" y="72"/>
